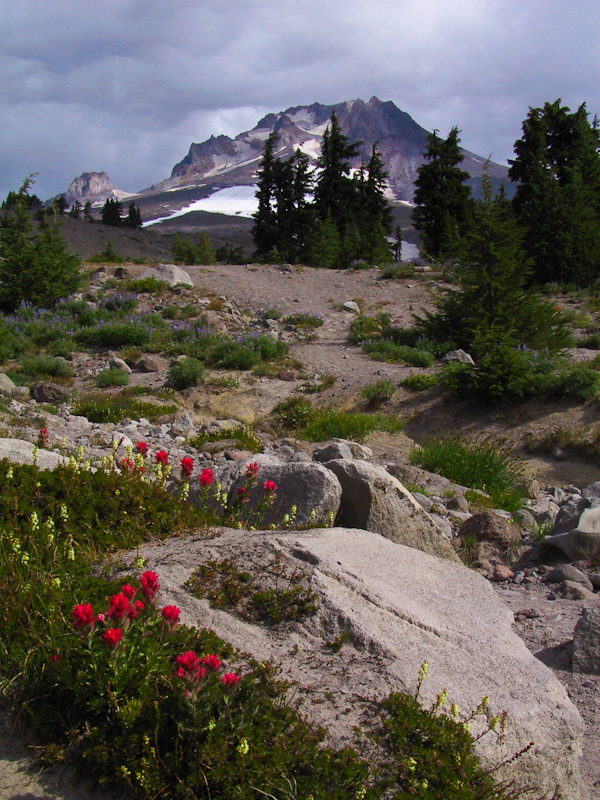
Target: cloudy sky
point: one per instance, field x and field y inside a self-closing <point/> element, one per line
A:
<point x="125" y="86"/>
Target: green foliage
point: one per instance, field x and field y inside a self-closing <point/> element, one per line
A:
<point x="420" y="382"/>
<point x="108" y="256"/>
<point x="557" y="199"/>
<point x="115" y="334"/>
<point x="186" y="252"/>
<point x="113" y="376"/>
<point x="320" y="424"/>
<point x="150" y="285"/>
<point x="114" y="408"/>
<point x="365" y="328"/>
<point x="376" y="394"/>
<point x="397" y="271"/>
<point x="35" y="267"/>
<point x="241" y="437"/>
<point x="185" y="373"/>
<point x="386" y="350"/>
<point x="443" y="203"/>
<point x="271" y="594"/>
<point x="304" y="320"/>
<point x="112" y="213"/>
<point x="42" y="366"/>
<point x="479" y="463"/>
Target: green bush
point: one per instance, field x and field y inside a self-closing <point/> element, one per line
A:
<point x="364" y="328"/>
<point x="115" y="334"/>
<point x="386" y="350"/>
<point x="479" y="464"/>
<point x="151" y="285"/>
<point x="332" y="424"/>
<point x="36" y="366"/>
<point x="114" y="408"/>
<point x="420" y="381"/>
<point x="185" y="373"/>
<point x="376" y="394"/>
<point x="113" y="376"/>
<point x="304" y="320"/>
<point x="241" y="436"/>
<point x="294" y="413"/>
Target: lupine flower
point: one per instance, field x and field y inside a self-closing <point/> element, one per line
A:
<point x="150" y="585"/>
<point x="206" y="477"/>
<point x="112" y="637"/>
<point x="142" y="448"/>
<point x="171" y="615"/>
<point x="128" y="590"/>
<point x="120" y="607"/>
<point x="213" y="662"/>
<point x="187" y="467"/>
<point x="84" y="617"/>
<point x="270" y="486"/>
<point x="230" y="679"/>
<point x="252" y="470"/>
<point x="162" y="457"/>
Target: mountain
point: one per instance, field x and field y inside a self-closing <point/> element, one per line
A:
<point x="93" y="186"/>
<point x="219" y="174"/>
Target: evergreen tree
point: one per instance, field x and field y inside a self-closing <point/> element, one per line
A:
<point x="335" y="191"/>
<point x="264" y="230"/>
<point x="493" y="302"/>
<point x="134" y="216"/>
<point x="75" y="212"/>
<point x="34" y="267"/>
<point x="183" y="250"/>
<point x="59" y="205"/>
<point x="325" y="244"/>
<point x="443" y="203"/>
<point x="205" y="252"/>
<point x="557" y="200"/>
<point x="87" y="211"/>
<point x="112" y="213"/>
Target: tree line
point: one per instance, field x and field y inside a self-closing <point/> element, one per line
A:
<point x="555" y="211"/>
<point x="330" y="218"/>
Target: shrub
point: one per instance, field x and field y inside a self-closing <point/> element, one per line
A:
<point x="242" y="437"/>
<point x="294" y="413"/>
<point x="364" y="328"/>
<point x="304" y="320"/>
<point x="185" y="373"/>
<point x="114" y="408"/>
<point x="115" y="334"/>
<point x="376" y="394"/>
<point x="398" y="271"/>
<point x="420" y="381"/>
<point x="150" y="285"/>
<point x="386" y="350"/>
<point x="480" y="464"/>
<point x="36" y="366"/>
<point x="329" y="424"/>
<point x="113" y="376"/>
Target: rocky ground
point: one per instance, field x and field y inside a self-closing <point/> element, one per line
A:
<point x="545" y="613"/>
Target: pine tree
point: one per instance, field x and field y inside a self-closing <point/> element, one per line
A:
<point x="134" y="216"/>
<point x="264" y="230"/>
<point x="205" y="252"/>
<point x="326" y="244"/>
<point x="443" y="203"/>
<point x="557" y="199"/>
<point x="87" y="211"/>
<point x="112" y="213"/>
<point x="335" y="191"/>
<point x="34" y="267"/>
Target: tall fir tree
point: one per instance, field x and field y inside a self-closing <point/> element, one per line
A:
<point x="557" y="198"/>
<point x="264" y="230"/>
<point x="443" y="203"/>
<point x="335" y="191"/>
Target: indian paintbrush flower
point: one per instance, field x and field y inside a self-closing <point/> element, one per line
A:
<point x="149" y="585"/>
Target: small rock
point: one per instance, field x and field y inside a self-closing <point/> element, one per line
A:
<point x="586" y="643"/>
<point x="457" y="503"/>
<point x="48" y="392"/>
<point x="118" y="363"/>
<point x="287" y="375"/>
<point x="501" y="573"/>
<point x="351" y="306"/>
<point x="567" y="572"/>
<point x="459" y="355"/>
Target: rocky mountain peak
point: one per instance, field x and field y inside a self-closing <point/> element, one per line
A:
<point x="93" y="186"/>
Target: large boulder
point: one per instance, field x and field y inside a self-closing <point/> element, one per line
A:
<point x="21" y="452"/>
<point x="396" y="607"/>
<point x="491" y="539"/>
<point x="576" y="532"/>
<point x="374" y="500"/>
<point x="48" y="392"/>
<point x="586" y="643"/>
<point x="169" y="273"/>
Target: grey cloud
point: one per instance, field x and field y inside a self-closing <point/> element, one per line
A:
<point x="128" y="86"/>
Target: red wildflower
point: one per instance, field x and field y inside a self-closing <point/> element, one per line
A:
<point x="171" y="615"/>
<point x="56" y="657"/>
<point x="162" y="457"/>
<point x="188" y="663"/>
<point x="142" y="448"/>
<point x="230" y="679"/>
<point x="150" y="585"/>
<point x="270" y="486"/>
<point x="126" y="464"/>
<point x="120" y="607"/>
<point x="187" y="467"/>
<point x="128" y="590"/>
<point x="252" y="469"/>
<point x="84" y="617"/>
<point x="212" y="661"/>
<point x="136" y="610"/>
<point x="43" y="437"/>
<point x="112" y="637"/>
<point x="206" y="477"/>
<point x="242" y="494"/>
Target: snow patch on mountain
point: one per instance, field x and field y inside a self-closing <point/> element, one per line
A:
<point x="236" y="201"/>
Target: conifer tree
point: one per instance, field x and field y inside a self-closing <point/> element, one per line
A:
<point x="264" y="230"/>
<point x="443" y="203"/>
<point x="134" y="216"/>
<point x="557" y="199"/>
<point x="112" y="213"/>
<point x="335" y="191"/>
<point x="34" y="267"/>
